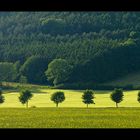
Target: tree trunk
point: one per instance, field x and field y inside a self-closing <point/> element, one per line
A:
<point x="27" y="104"/>
<point x="117" y="105"/>
<point x="87" y="105"/>
<point x="56" y="104"/>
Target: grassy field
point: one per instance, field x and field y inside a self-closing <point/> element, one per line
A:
<point x="73" y="99"/>
<point x="72" y="113"/>
<point x="70" y="118"/>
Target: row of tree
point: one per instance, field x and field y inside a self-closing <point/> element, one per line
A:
<point x="59" y="97"/>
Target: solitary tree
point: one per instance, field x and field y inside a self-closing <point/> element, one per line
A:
<point x="138" y="99"/>
<point x="25" y="96"/>
<point x="117" y="96"/>
<point x="88" y="97"/>
<point x="58" y="97"/>
<point x="1" y="97"/>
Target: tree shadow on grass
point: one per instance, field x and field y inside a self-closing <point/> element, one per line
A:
<point x="95" y="91"/>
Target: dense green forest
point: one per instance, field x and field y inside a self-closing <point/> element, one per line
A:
<point x="98" y="46"/>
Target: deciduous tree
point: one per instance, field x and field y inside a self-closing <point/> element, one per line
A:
<point x="117" y="96"/>
<point x="58" y="97"/>
<point x="58" y="71"/>
<point x="88" y="97"/>
<point x="25" y="96"/>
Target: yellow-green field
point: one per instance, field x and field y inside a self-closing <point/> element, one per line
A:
<point x="70" y="118"/>
<point x="72" y="113"/>
<point x="73" y="99"/>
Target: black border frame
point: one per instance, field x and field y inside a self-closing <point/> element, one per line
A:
<point x="72" y="5"/>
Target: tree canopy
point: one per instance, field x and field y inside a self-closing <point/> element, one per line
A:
<point x="117" y="96"/>
<point x="88" y="97"/>
<point x="100" y="46"/>
<point x="34" y="69"/>
<point x="58" y="97"/>
<point x="58" y="71"/>
<point x="25" y="96"/>
<point x="2" y="99"/>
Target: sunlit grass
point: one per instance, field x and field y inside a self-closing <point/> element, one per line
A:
<point x="70" y="118"/>
<point x="73" y="99"/>
<point x="72" y="113"/>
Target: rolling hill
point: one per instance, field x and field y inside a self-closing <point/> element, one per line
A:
<point x="100" y="46"/>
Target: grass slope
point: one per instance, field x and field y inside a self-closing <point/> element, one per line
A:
<point x="130" y="79"/>
<point x="73" y="99"/>
<point x="69" y="118"/>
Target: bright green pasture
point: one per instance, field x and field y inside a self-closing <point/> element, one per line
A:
<point x="73" y="99"/>
<point x="69" y="118"/>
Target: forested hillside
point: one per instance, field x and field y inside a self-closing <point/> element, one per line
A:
<point x="99" y="46"/>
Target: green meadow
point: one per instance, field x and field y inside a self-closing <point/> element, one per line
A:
<point x="41" y="98"/>
<point x="72" y="113"/>
<point x="70" y="118"/>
